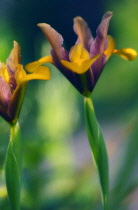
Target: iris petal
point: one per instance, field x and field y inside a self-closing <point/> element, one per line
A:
<point x="98" y="45"/>
<point x="14" y="57"/>
<point x="4" y="72"/>
<point x="55" y="39"/>
<point x="78" y="52"/>
<point x="82" y="68"/>
<point x="110" y="47"/>
<point x="41" y="72"/>
<point x="82" y="30"/>
<point x="127" y="53"/>
<point x="30" y="67"/>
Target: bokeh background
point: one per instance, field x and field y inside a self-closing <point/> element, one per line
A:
<point x="58" y="171"/>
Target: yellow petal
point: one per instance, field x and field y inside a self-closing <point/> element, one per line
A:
<point x="80" y="69"/>
<point x="46" y="59"/>
<point x="127" y="53"/>
<point x="20" y="74"/>
<point x="42" y="73"/>
<point x="77" y="52"/>
<point x="110" y="47"/>
<point x="30" y="67"/>
<point x="3" y="72"/>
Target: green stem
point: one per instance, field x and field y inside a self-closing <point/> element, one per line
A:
<point x="13" y="167"/>
<point x="98" y="148"/>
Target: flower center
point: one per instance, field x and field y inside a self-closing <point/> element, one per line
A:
<point x="80" y="60"/>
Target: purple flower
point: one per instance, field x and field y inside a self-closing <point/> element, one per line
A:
<point x="83" y="64"/>
<point x="13" y="81"/>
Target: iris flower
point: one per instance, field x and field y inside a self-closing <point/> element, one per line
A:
<point x="83" y="64"/>
<point x="13" y="81"/>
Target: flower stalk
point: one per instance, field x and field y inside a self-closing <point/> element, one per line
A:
<point x="13" y="166"/>
<point x="98" y="148"/>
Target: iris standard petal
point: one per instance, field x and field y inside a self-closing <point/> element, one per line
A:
<point x="54" y="38"/>
<point x="103" y="27"/>
<point x="98" y="45"/>
<point x="5" y="92"/>
<point x="82" y="30"/>
<point x="15" y="102"/>
<point x="14" y="57"/>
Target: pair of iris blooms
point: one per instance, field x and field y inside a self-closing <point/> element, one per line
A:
<point x="82" y="65"/>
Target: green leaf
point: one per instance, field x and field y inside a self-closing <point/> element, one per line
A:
<point x="98" y="148"/>
<point x="13" y="167"/>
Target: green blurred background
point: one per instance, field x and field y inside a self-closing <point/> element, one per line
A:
<point x="58" y="171"/>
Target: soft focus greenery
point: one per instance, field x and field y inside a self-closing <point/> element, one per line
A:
<point x="58" y="171"/>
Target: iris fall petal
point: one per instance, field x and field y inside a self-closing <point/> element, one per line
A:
<point x="127" y="53"/>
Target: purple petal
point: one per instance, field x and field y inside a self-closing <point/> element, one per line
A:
<point x="12" y="80"/>
<point x="16" y="101"/>
<point x="55" y="39"/>
<point x="11" y="63"/>
<point x="99" y="43"/>
<point x="71" y="76"/>
<point x="59" y="53"/>
<point x="84" y="34"/>
<point x="3" y="113"/>
<point x="97" y="67"/>
<point x="14" y="57"/>
<point x="5" y="92"/>
<point x="58" y="64"/>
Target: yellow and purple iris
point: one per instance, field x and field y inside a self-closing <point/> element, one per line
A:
<point x="13" y="80"/>
<point x="83" y="64"/>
